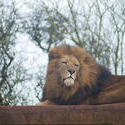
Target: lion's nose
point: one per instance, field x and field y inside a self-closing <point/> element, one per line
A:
<point x="71" y="71"/>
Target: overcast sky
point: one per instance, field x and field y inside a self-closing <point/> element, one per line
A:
<point x="32" y="56"/>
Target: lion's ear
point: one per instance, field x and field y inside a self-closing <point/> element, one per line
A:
<point x="53" y="55"/>
<point x="86" y="60"/>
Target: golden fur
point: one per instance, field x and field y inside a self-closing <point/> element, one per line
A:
<point x="74" y="78"/>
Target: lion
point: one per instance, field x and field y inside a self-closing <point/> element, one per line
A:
<point x="75" y="78"/>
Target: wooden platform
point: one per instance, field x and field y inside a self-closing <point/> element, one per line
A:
<point x="108" y="114"/>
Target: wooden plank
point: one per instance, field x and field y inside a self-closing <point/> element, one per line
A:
<point x="82" y="114"/>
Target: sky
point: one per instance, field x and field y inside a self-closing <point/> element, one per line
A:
<point x="34" y="59"/>
<point x="33" y="56"/>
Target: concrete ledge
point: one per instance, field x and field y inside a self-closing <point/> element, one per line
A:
<point x="84" y="114"/>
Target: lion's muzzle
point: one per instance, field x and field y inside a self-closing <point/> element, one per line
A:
<point x="69" y="82"/>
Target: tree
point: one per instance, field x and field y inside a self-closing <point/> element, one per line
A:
<point x="117" y="18"/>
<point x="50" y="26"/>
<point x="11" y="72"/>
<point x="45" y="27"/>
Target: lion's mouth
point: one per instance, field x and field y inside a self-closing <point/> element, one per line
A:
<point x="68" y="81"/>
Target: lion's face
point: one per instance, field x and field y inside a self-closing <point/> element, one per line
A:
<point x="68" y="69"/>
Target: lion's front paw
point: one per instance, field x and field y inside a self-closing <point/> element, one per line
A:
<point x="47" y="102"/>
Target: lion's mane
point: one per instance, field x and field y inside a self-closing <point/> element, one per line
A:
<point x="90" y="80"/>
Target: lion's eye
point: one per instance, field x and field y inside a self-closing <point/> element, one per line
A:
<point x="64" y="62"/>
<point x="76" y="65"/>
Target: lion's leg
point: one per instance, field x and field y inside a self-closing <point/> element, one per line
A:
<point x="47" y="102"/>
<point x="115" y="93"/>
<point x="111" y="93"/>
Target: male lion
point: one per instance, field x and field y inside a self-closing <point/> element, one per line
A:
<point x="75" y="78"/>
